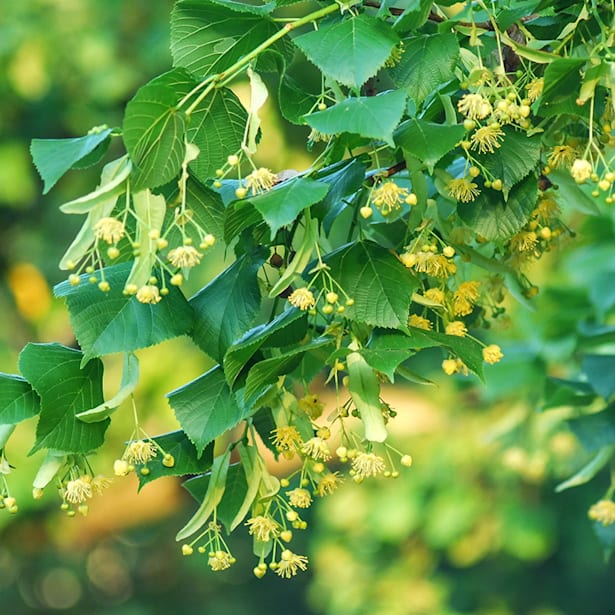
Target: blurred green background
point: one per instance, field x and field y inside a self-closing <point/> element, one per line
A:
<point x="475" y="527"/>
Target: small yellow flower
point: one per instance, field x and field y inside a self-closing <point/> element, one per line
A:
<point x="78" y="490"/>
<point x="492" y="354"/>
<point x="300" y="498"/>
<point x="388" y="196"/>
<point x="328" y="484"/>
<point x="561" y="156"/>
<point x="456" y="327"/>
<point x="302" y="298"/>
<point x="546" y="209"/>
<point x="581" y="170"/>
<point x="263" y="528"/>
<point x="149" y="294"/>
<point x="286" y="438"/>
<point x="408" y="259"/>
<point x="465" y="297"/>
<point x="487" y="138"/>
<point x="449" y="367"/>
<point x="317" y="449"/>
<point x="140" y="451"/>
<point x="184" y="256"/>
<point x="603" y="512"/>
<point x="534" y="89"/>
<point x="524" y="241"/>
<point x="368" y="464"/>
<point x="290" y="563"/>
<point x="463" y="189"/>
<point x="100" y="483"/>
<point x="261" y="180"/>
<point x="434" y="294"/>
<point x="435" y="265"/>
<point x="419" y="322"/>
<point x="121" y="467"/>
<point x="474" y="106"/>
<point x="220" y="560"/>
<point x="187" y="550"/>
<point x="311" y="406"/>
<point x="109" y="230"/>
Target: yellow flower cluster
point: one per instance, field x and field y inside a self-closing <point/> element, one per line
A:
<point x="603" y="512"/>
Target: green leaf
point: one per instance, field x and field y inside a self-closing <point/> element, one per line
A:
<point x="373" y="117"/>
<point x="427" y="63"/>
<point x="242" y="485"/>
<point x="207" y="38"/>
<point x="294" y="101"/>
<point x="559" y="392"/>
<point x="386" y="351"/>
<point x="111" y="186"/>
<point x="85" y="237"/>
<point x="600" y="373"/>
<point x="54" y="157"/>
<point x="234" y="495"/>
<point x="65" y="389"/>
<point x="240" y="215"/>
<point x="364" y="389"/>
<point x="496" y="219"/>
<point x="263" y="422"/>
<point x="301" y="259"/>
<point x="206" y="408"/>
<point x="379" y="284"/>
<point x="18" y="401"/>
<point x="226" y="308"/>
<point x="587" y="472"/>
<point x="154" y="132"/>
<point x="281" y="205"/>
<point x="217" y="127"/>
<point x="150" y="210"/>
<point x="247" y="7"/>
<point x="286" y="329"/>
<point x="469" y="351"/>
<point x="187" y="461"/>
<point x="343" y="179"/>
<point x="595" y="430"/>
<point x="47" y="471"/>
<point x="427" y="141"/>
<point x="269" y="370"/>
<point x="5" y="433"/>
<point x="350" y="51"/>
<point x="254" y="471"/>
<point x="130" y="378"/>
<point x="112" y="322"/>
<point x="205" y="206"/>
<point x="572" y="195"/>
<point x="416" y="13"/>
<point x="517" y="157"/>
<point x="215" y="491"/>
<point x="561" y="84"/>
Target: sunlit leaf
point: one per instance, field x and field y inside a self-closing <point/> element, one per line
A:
<point x="18" y="401"/>
<point x="427" y="62"/>
<point x="112" y="322"/>
<point x="225" y="309"/>
<point x="185" y="458"/>
<point x="379" y="284"/>
<point x="350" y="51"/>
<point x="65" y="389"/>
<point x="154" y="130"/>
<point x="54" y="157"/>
<point x="206" y="408"/>
<point x="374" y="117"/>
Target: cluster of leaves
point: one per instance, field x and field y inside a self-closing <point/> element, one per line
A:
<point x="432" y="131"/>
